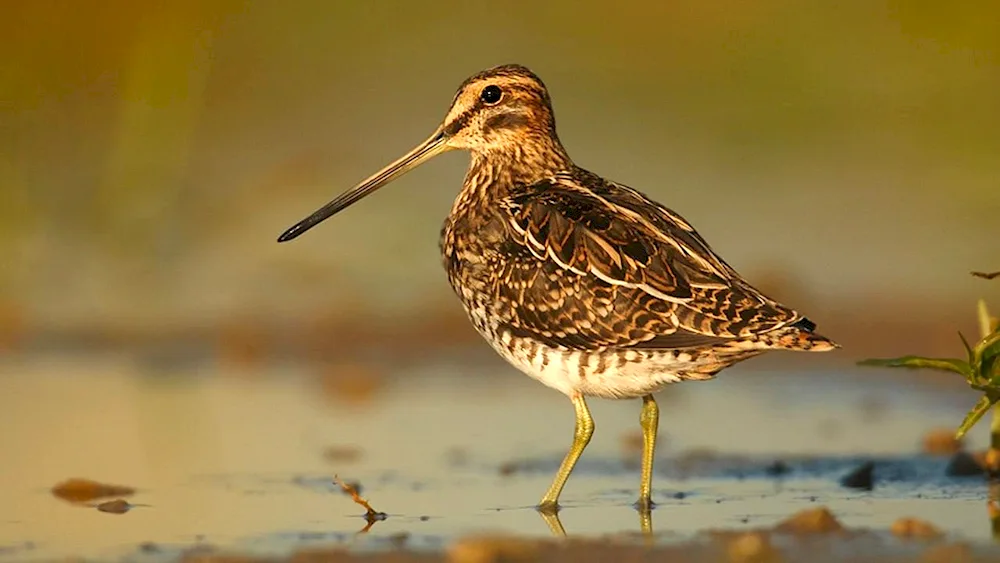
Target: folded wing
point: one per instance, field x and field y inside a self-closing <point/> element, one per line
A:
<point x="592" y="264"/>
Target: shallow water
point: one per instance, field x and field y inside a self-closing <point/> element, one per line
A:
<point x="235" y="459"/>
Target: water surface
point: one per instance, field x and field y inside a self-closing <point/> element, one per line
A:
<point x="244" y="459"/>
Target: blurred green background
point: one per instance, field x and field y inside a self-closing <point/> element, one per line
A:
<point x="842" y="155"/>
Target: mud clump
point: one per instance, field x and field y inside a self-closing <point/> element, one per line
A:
<point x="752" y="547"/>
<point x="915" y="528"/>
<point x="975" y="464"/>
<point x="965" y="464"/>
<point x="812" y="521"/>
<point x="83" y="490"/>
<point x="495" y="549"/>
<point x="862" y="478"/>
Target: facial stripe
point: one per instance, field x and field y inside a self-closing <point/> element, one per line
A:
<point x="506" y="120"/>
<point x="461" y="121"/>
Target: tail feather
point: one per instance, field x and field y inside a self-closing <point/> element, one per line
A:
<point x="799" y="336"/>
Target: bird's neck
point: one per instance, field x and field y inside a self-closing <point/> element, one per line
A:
<point x="497" y="171"/>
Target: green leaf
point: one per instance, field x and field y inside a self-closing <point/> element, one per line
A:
<point x="989" y="346"/>
<point x="992" y="374"/>
<point x="918" y="362"/>
<point x="986" y="355"/>
<point x="989" y="362"/>
<point x="968" y="349"/>
<point x="983" y="314"/>
<point x="977" y="412"/>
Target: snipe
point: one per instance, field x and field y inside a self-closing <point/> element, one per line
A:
<point x="584" y="284"/>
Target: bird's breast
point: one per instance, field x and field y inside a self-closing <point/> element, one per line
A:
<point x="469" y="244"/>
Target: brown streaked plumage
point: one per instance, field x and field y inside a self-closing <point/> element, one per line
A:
<point x="584" y="284"/>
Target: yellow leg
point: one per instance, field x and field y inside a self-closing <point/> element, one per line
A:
<point x="581" y="437"/>
<point x="649" y="419"/>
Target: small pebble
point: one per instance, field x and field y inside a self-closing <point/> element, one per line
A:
<point x="811" y="521"/>
<point x="117" y="506"/>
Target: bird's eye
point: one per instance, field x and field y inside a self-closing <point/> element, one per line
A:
<point x="491" y="94"/>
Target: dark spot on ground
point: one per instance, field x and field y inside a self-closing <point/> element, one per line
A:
<point x="964" y="464"/>
<point x="862" y="478"/>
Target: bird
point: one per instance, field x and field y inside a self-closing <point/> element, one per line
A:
<point x="582" y="283"/>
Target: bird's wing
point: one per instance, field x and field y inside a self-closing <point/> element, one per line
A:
<point x="593" y="264"/>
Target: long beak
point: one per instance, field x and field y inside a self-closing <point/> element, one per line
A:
<point x="426" y="150"/>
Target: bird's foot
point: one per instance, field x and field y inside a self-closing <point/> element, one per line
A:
<point x="644" y="504"/>
<point x="548" y="507"/>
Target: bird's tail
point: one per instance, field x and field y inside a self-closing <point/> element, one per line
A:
<point x="799" y="336"/>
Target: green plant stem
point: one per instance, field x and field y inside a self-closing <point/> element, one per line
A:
<point x="995" y="428"/>
<point x="985" y="329"/>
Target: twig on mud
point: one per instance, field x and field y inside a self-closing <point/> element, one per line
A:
<point x="371" y="515"/>
<point x="986" y="276"/>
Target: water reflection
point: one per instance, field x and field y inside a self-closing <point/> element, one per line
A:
<point x="555" y="525"/>
<point x="993" y="510"/>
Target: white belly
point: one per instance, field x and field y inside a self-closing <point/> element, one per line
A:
<point x="609" y="374"/>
